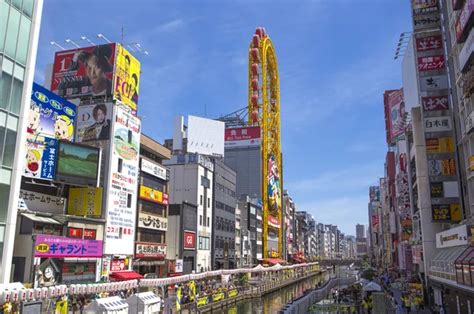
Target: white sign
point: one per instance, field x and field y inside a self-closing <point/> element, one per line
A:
<point x="150" y="221"/>
<point x="122" y="184"/>
<point x="452" y="237"/>
<point x="179" y="266"/>
<point x="466" y="52"/>
<point x="153" y="169"/>
<point x="40" y="202"/>
<point x="433" y="82"/>
<point x="93" y="122"/>
<point x="437" y="124"/>
<point x="205" y="136"/>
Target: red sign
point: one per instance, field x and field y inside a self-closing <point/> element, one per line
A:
<point x="153" y="250"/>
<point x="375" y="221"/>
<point x="395" y="116"/>
<point x="74" y="233"/>
<point x="117" y="265"/>
<point x="463" y="20"/>
<point x="430" y="63"/>
<point x="189" y="240"/>
<point x="273" y="221"/>
<point x="247" y="136"/>
<point x="90" y="234"/>
<point x="433" y="103"/>
<point x="429" y="43"/>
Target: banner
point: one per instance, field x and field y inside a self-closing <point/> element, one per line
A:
<point x="395" y="115"/>
<point x="59" y="247"/>
<point x="41" y="159"/>
<point x="83" y="72"/>
<point x="127" y="78"/>
<point x="94" y="122"/>
<point x="85" y="202"/>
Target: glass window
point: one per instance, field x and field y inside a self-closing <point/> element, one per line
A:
<point x="12" y="32"/>
<point x="208" y="222"/>
<point x="3" y="128"/>
<point x="28" y="7"/>
<point x="200" y="220"/>
<point x="23" y="40"/>
<point x="17" y="3"/>
<point x="200" y="199"/>
<point x="9" y="152"/>
<point x="3" y="22"/>
<point x="16" y="96"/>
<point x="6" y="83"/>
<point x="4" y="196"/>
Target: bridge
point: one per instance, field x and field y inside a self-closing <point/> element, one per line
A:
<point x="340" y="262"/>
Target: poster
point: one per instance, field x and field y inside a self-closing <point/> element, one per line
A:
<point x="84" y="72"/>
<point x="274" y="190"/>
<point x="127" y="78"/>
<point x="122" y="184"/>
<point x="395" y="113"/>
<point x="94" y="122"/>
<point x="40" y="162"/>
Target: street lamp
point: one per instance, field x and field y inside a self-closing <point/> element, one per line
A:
<point x="69" y="41"/>
<point x="88" y="40"/>
<point x="104" y="38"/>
<point x="53" y="43"/>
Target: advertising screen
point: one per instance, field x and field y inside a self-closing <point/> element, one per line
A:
<point x="205" y="136"/>
<point x="127" y="78"/>
<point x="94" y="122"/>
<point x="84" y="71"/>
<point x="77" y="164"/>
<point x="274" y="193"/>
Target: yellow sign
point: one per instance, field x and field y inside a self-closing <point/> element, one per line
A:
<point x="85" y="202"/>
<point x="218" y="296"/>
<point x="471" y="163"/>
<point x="62" y="306"/>
<point x="202" y="301"/>
<point x="439" y="145"/>
<point x="233" y="293"/>
<point x="152" y="195"/>
<point x="127" y="78"/>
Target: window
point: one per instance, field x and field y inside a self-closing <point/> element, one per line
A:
<point x="208" y="202"/>
<point x="6" y="83"/>
<point x="12" y="32"/>
<point x="153" y="208"/>
<point x="10" y="141"/>
<point x="23" y="39"/>
<point x="17" y="90"/>
<point x="3" y="22"/>
<point x="152" y="182"/>
<point x="204" y="243"/>
<point x="200" y="220"/>
<point x="208" y="222"/>
<point x="200" y="199"/>
<point x="120" y="165"/>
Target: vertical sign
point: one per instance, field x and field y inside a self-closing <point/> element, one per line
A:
<point x="122" y="184"/>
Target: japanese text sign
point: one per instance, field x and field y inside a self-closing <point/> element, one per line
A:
<point x="431" y="63"/>
<point x="41" y="159"/>
<point x="448" y="212"/>
<point x="437" y="124"/>
<point x="426" y="21"/>
<point x="59" y="247"/>
<point x="189" y="239"/>
<point x="424" y="6"/>
<point x="429" y="43"/>
<point x="150" y="250"/>
<point x="435" y="103"/>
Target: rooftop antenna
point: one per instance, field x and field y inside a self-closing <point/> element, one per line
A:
<point x="53" y="43"/>
<point x="100" y="35"/>
<point x="69" y="41"/>
<point x="88" y="40"/>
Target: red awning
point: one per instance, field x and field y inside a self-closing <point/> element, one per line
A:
<point x="274" y="261"/>
<point x="125" y="275"/>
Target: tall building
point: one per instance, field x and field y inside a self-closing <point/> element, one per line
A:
<point x="360" y="231"/>
<point x="19" y="31"/>
<point x="361" y="241"/>
<point x="289" y="209"/>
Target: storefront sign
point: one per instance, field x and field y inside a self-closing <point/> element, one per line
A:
<point x="429" y="43"/>
<point x="178" y="266"/>
<point x="424" y="6"/>
<point x="189" y="239"/>
<point x="446" y="213"/>
<point x="437" y="124"/>
<point x="118" y="264"/>
<point x="424" y="21"/>
<point x="78" y="272"/>
<point x="452" y="237"/>
<point x="273" y="221"/>
<point x="85" y="202"/>
<point x="90" y="234"/>
<point x="439" y="145"/>
<point x="74" y="232"/>
<point x="431" y="63"/>
<point x="58" y="247"/>
<point x="433" y="83"/>
<point x="152" y="195"/>
<point x="443" y="167"/>
<point x="436" y="189"/>
<point x="152" y="250"/>
<point x="466" y="53"/>
<point x="433" y="103"/>
<point x="150" y="221"/>
<point x="416" y="251"/>
<point x="40" y="202"/>
<point x="154" y="169"/>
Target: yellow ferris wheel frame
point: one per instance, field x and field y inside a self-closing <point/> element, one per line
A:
<point x="269" y="121"/>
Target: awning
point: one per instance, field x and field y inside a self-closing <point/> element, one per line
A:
<point x="445" y="258"/>
<point x="125" y="275"/>
<point x="41" y="219"/>
<point x="273" y="261"/>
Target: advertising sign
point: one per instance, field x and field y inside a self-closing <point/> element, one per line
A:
<point x="433" y="83"/>
<point x="127" y="78"/>
<point x="431" y="63"/>
<point x="446" y="212"/>
<point x="41" y="159"/>
<point x="438" y="124"/>
<point x="439" y="145"/>
<point x="471" y="163"/>
<point x="395" y="109"/>
<point x="179" y="266"/>
<point x="205" y="136"/>
<point x="122" y="185"/>
<point x="273" y="186"/>
<point x="246" y="136"/>
<point x="466" y="53"/>
<point x="93" y="122"/>
<point x="441" y="167"/>
<point x="49" y="116"/>
<point x="374" y="193"/>
<point x="426" y="21"/>
<point x="273" y="221"/>
<point x="85" y="202"/>
<point x="436" y="189"/>
<point x="118" y="264"/>
<point x="407" y="229"/>
<point x="189" y="240"/>
<point x="59" y="247"/>
<point x="84" y="71"/>
<point x="452" y="237"/>
<point x="463" y="20"/>
<point x="150" y="250"/>
<point x="40" y="202"/>
<point x="154" y="169"/>
<point x="153" y="222"/>
<point x="153" y="195"/>
<point x="375" y="221"/>
<point x="424" y="6"/>
<point x="433" y="103"/>
<point x="77" y="164"/>
<point x="429" y="43"/>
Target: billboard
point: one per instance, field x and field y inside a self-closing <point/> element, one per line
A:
<point x="433" y="103"/>
<point x="152" y="195"/>
<point x="431" y="63"/>
<point x="122" y="184"/>
<point x="150" y="221"/>
<point x="446" y="213"/>
<point x="84" y="71"/>
<point x="439" y="145"/>
<point x="48" y="246"/>
<point x="273" y="184"/>
<point x="150" y="250"/>
<point x="245" y="136"/>
<point x="205" y="136"/>
<point x="85" y="202"/>
<point x="424" y="6"/>
<point x="394" y="114"/>
<point x="127" y="78"/>
<point x="441" y="167"/>
<point x="433" y="83"/>
<point x="189" y="240"/>
<point x="154" y="169"/>
<point x="43" y="202"/>
<point x="429" y="43"/>
<point x="77" y="164"/>
<point x="437" y="124"/>
<point x="94" y="122"/>
<point x="41" y="159"/>
<point x="374" y="193"/>
<point x="50" y="116"/>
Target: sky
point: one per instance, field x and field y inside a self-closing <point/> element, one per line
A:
<point x="335" y="59"/>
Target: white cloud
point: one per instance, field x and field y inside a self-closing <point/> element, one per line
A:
<point x="169" y="26"/>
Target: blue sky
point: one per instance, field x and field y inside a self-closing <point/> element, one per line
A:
<point x="335" y="59"/>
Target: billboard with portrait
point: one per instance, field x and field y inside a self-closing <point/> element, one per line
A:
<point x="126" y="78"/>
<point x="94" y="122"/>
<point x="395" y="115"/>
<point x="273" y="180"/>
<point x="84" y="72"/>
<point x="77" y="164"/>
<point x="122" y="184"/>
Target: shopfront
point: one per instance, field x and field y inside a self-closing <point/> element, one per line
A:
<point x="150" y="259"/>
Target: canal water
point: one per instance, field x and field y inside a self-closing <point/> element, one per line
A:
<point x="271" y="303"/>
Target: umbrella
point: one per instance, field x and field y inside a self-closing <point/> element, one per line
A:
<point x="372" y="286"/>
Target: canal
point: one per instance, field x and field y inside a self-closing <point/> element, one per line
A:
<point x="272" y="302"/>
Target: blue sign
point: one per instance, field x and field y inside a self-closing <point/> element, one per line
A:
<point x="41" y="159"/>
<point x="50" y="116"/>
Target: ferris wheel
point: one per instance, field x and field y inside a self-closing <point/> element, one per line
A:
<point x="264" y="111"/>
